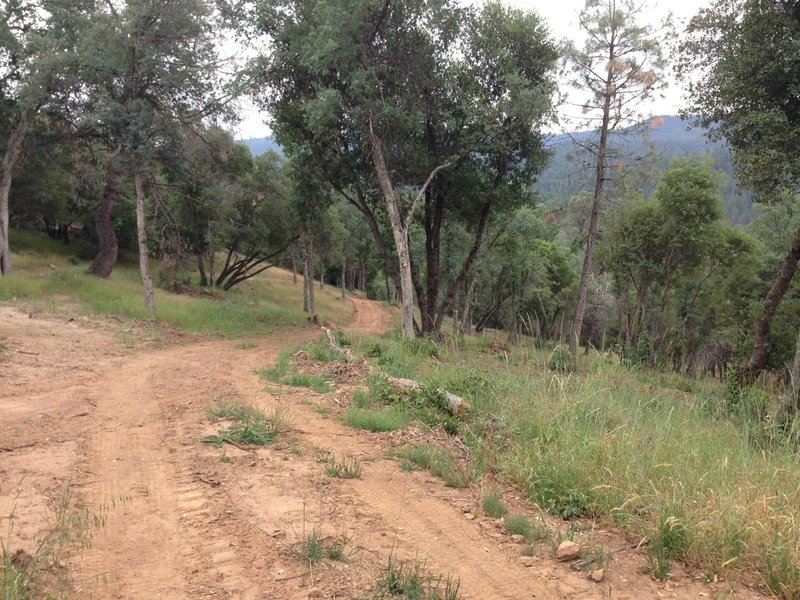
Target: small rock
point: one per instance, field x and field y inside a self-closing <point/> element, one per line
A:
<point x="526" y="561"/>
<point x="315" y="593"/>
<point x="469" y="516"/>
<point x="517" y="538"/>
<point x="597" y="575"/>
<point x="568" y="550"/>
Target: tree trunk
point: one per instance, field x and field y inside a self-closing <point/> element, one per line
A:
<point x="211" y="267"/>
<point x="144" y="258"/>
<point x="294" y="264"/>
<point x="344" y="278"/>
<point x="434" y="214"/>
<point x="400" y="234"/>
<point x="758" y="359"/>
<point x="467" y="312"/>
<point x="106" y="258"/>
<point x="321" y="273"/>
<point x="10" y="161"/>
<point x="308" y="274"/>
<point x="599" y="181"/>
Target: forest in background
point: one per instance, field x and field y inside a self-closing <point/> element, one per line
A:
<point x="568" y="171"/>
<point x="417" y="174"/>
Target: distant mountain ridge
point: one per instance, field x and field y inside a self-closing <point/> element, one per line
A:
<point x="566" y="176"/>
<point x="568" y="173"/>
<point x="259" y="146"/>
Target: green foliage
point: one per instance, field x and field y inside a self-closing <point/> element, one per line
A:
<point x="343" y="470"/>
<point x="735" y="46"/>
<point x="318" y="384"/>
<point x="493" y="505"/>
<point x="251" y="426"/>
<point x="439" y="461"/>
<point x="414" y="582"/>
<point x="375" y="350"/>
<point x="387" y="419"/>
<point x="561" y="360"/>
<point x="40" y="573"/>
<point x="518" y="525"/>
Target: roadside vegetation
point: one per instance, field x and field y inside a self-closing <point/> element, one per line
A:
<point x="687" y="465"/>
<point x="49" y="275"/>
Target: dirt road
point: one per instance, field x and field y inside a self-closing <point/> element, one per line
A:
<point x="177" y="518"/>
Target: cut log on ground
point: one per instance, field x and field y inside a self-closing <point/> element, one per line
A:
<point x="457" y="404"/>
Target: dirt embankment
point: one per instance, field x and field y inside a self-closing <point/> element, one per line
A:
<point x="181" y="519"/>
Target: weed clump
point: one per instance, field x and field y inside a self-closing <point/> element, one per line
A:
<point x="518" y="525"/>
<point x="343" y="470"/>
<point x="493" y="505"/>
<point x="439" y="462"/>
<point x="561" y="361"/>
<point x="413" y="581"/>
<point x="251" y="426"/>
<point x="313" y="548"/>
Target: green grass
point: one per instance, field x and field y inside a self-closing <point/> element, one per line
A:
<point x="428" y="406"/>
<point x="42" y="573"/>
<point x="283" y="371"/>
<point x="313" y="548"/>
<point x="313" y="382"/>
<point x="691" y="465"/>
<point x="44" y="274"/>
<point x="439" y="462"/>
<point x="387" y="419"/>
<point x="251" y="426"/>
<point x="493" y="505"/>
<point x="518" y="525"/>
<point x="414" y="582"/>
<point x="343" y="470"/>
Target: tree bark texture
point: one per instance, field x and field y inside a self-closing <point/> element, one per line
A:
<point x="400" y="234"/>
<point x="599" y="181"/>
<point x="758" y="359"/>
<point x="106" y="258"/>
<point x="10" y="161"/>
<point x="308" y="274"/>
<point x="141" y="234"/>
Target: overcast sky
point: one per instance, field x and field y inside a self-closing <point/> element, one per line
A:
<point x="562" y="19"/>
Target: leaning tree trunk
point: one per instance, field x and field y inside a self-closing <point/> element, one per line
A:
<point x="758" y="359"/>
<point x="106" y="258"/>
<point x="599" y="181"/>
<point x="144" y="257"/>
<point x="10" y="161"/>
<point x="400" y="234"/>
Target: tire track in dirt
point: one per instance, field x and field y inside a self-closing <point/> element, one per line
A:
<point x="180" y="523"/>
<point x="154" y="543"/>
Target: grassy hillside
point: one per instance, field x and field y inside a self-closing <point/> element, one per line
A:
<point x="690" y="468"/>
<point x="46" y="272"/>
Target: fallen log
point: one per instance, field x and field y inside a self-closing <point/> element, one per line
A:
<point x="342" y="351"/>
<point x="456" y="404"/>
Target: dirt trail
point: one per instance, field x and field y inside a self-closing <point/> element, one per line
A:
<point x="183" y="520"/>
